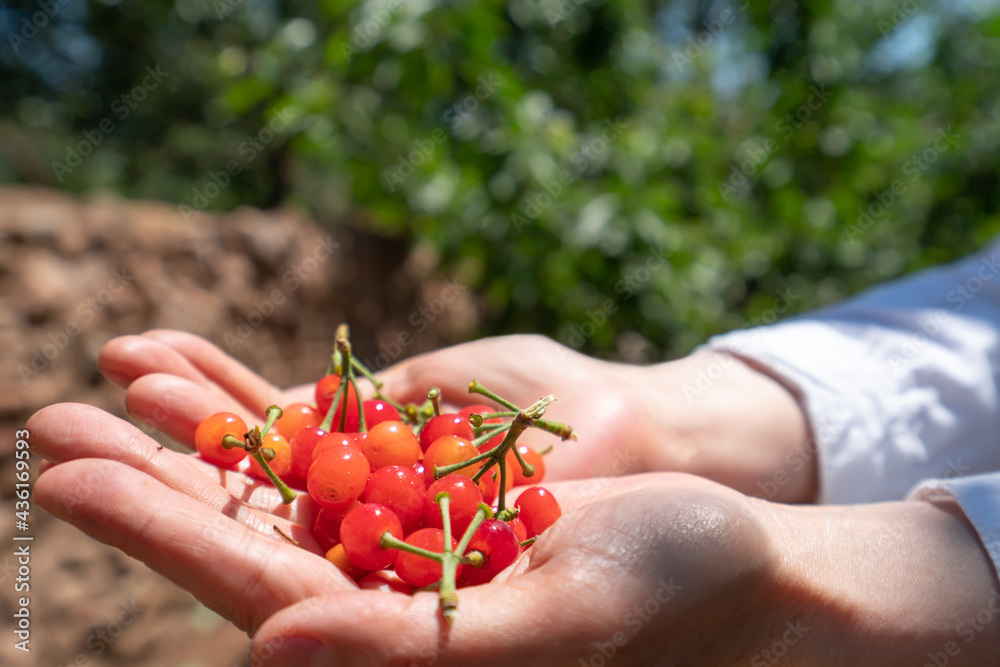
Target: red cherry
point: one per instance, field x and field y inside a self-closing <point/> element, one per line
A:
<point x="326" y="389"/>
<point x="485" y="410"/>
<point x="400" y="489"/>
<point x="489" y="487"/>
<point x="378" y="411"/>
<point x="296" y="417"/>
<point x="281" y="464"/>
<point x="208" y="439"/>
<point x="492" y="442"/>
<point x="326" y="528"/>
<point x="331" y="440"/>
<point x="449" y="450"/>
<point x="498" y="544"/>
<point x="337" y="477"/>
<point x="518" y="527"/>
<point x="481" y="409"/>
<point x="419" y="571"/>
<point x="391" y="443"/>
<point x="539" y="510"/>
<point x="442" y="425"/>
<point x="463" y="502"/>
<point x="302" y="446"/>
<point x="361" y="531"/>
<point x="514" y="468"/>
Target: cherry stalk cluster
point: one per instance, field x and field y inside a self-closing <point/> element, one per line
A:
<point x="411" y="498"/>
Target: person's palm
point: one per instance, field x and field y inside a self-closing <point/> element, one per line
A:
<point x="638" y="567"/>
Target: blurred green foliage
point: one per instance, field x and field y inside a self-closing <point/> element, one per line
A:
<point x="675" y="167"/>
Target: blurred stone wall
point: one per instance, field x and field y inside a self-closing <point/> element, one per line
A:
<point x="270" y="287"/>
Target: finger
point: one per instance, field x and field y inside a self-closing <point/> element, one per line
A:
<point x="126" y="358"/>
<point x="67" y="432"/>
<point x="540" y="619"/>
<point x="230" y="567"/>
<point x="243" y="384"/>
<point x="574" y="494"/>
<point x="176" y="406"/>
<point x="379" y="628"/>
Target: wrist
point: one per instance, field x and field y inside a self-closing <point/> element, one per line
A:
<point x="903" y="583"/>
<point x="727" y="419"/>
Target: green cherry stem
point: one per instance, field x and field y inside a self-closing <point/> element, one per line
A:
<point x="528" y="542"/>
<point x="273" y="414"/>
<point x="564" y="431"/>
<point x="287" y="495"/>
<point x="476" y="388"/>
<point x="390" y="541"/>
<point x="331" y="411"/>
<point x="441" y="471"/>
<point x="527" y="469"/>
<point x="486" y="436"/>
<point x="231" y="441"/>
<point x="496" y="415"/>
<point x="344" y="347"/>
<point x="484" y="512"/>
<point x="253" y="443"/>
<point x="502" y="494"/>
<point x="400" y="408"/>
<point x="521" y="422"/>
<point x="365" y="371"/>
<point x="337" y="359"/>
<point x="474" y="558"/>
<point x="448" y="595"/>
<point x="434" y="396"/>
<point x="362" y="423"/>
<point x="443" y="500"/>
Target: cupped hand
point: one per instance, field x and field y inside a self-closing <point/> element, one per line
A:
<point x="211" y="531"/>
<point x="671" y="569"/>
<point x="598" y="399"/>
<point x="640" y="568"/>
<point x="708" y="414"/>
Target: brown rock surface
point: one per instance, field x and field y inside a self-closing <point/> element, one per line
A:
<point x="75" y="273"/>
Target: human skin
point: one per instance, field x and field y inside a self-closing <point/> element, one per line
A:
<point x="718" y="578"/>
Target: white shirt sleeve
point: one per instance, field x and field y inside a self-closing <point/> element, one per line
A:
<point x="900" y="384"/>
<point x="979" y="498"/>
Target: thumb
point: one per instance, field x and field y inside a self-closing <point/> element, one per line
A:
<point x="497" y="624"/>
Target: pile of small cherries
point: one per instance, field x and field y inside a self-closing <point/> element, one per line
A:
<point x="411" y="498"/>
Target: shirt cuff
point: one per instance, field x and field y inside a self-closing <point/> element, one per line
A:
<point x="798" y="353"/>
<point x="979" y="498"/>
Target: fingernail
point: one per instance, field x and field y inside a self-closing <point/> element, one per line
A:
<point x="293" y="652"/>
